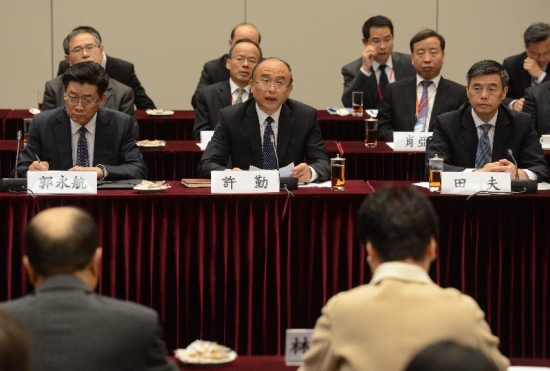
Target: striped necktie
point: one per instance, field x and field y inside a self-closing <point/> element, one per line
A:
<point x="240" y="92"/>
<point x="483" y="154"/>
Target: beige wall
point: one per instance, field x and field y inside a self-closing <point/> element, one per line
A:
<point x="169" y="40"/>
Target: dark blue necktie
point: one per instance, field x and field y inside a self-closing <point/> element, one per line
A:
<point x="82" y="158"/>
<point x="268" y="150"/>
<point x="383" y="81"/>
<point x="483" y="154"/>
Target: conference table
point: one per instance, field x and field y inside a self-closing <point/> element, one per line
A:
<point x="241" y="269"/>
<point x="179" y="125"/>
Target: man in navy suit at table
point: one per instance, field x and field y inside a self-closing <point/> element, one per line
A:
<point x="82" y="135"/>
<point x="71" y="327"/>
<point x="250" y="133"/>
<point x="477" y="137"/>
<point x="243" y="57"/>
<point x="413" y="103"/>
<point x="378" y="66"/>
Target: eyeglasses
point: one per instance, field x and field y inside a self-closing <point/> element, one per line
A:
<point x="80" y="49"/>
<point x="277" y="85"/>
<point x="240" y="60"/>
<point x="76" y="101"/>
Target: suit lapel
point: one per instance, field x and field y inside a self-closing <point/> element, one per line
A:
<point x="286" y="126"/>
<point x="109" y="96"/>
<point x="103" y="137"/>
<point x="63" y="138"/>
<point x="410" y="99"/>
<point x="224" y="95"/>
<point x="251" y="125"/>
<point x="502" y="133"/>
<point x="468" y="135"/>
<point x="441" y="97"/>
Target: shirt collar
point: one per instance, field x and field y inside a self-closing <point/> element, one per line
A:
<point x="234" y="87"/>
<point x="262" y="116"/>
<point x="90" y="126"/>
<point x="104" y="61"/>
<point x="479" y="122"/>
<point x="401" y="271"/>
<point x="435" y="80"/>
<point x="388" y="63"/>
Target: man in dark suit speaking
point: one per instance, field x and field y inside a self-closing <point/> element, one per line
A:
<point x="378" y="66"/>
<point x="249" y="133"/>
<point x="478" y="138"/>
<point x="71" y="327"/>
<point x="82" y="135"/>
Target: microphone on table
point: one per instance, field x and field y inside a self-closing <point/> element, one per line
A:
<point x="14" y="184"/>
<point x="286" y="183"/>
<point x="521" y="185"/>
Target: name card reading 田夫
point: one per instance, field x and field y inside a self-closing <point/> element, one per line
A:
<point x="264" y="181"/>
<point x="410" y="141"/>
<point x="62" y="182"/>
<point x="467" y="183"/>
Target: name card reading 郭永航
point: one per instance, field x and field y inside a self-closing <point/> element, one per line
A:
<point x="410" y="141"/>
<point x="467" y="183"/>
<point x="62" y="182"/>
<point x="263" y="181"/>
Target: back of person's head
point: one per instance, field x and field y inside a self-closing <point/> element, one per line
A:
<point x="247" y="25"/>
<point x="536" y="33"/>
<point x="488" y="67"/>
<point x="399" y="222"/>
<point x="80" y="30"/>
<point x="14" y="345"/>
<point x="87" y="73"/>
<point x="450" y="356"/>
<point x="425" y="34"/>
<point x="61" y="240"/>
<point x="377" y="21"/>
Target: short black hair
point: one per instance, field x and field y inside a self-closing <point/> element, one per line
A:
<point x="488" y="67"/>
<point x="536" y="33"/>
<point x="62" y="253"/>
<point x="423" y="35"/>
<point x="246" y="24"/>
<point x="80" y="30"/>
<point x="244" y="41"/>
<point x="87" y="73"/>
<point x="450" y="356"/>
<point x="399" y="222"/>
<point x="376" y="21"/>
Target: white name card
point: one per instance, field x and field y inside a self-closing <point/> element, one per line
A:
<point x="467" y="183"/>
<point x="297" y="343"/>
<point x="264" y="181"/>
<point x="410" y="141"/>
<point x="62" y="182"/>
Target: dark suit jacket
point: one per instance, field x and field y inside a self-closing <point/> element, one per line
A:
<point x="213" y="71"/>
<point x="520" y="79"/>
<point x="73" y="328"/>
<point x="398" y="108"/>
<point x="210" y="100"/>
<point x="237" y="138"/>
<point x="123" y="72"/>
<point x="114" y="147"/>
<point x="355" y="80"/>
<point x="455" y="139"/>
<point x="537" y="104"/>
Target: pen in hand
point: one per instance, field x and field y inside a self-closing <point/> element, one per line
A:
<point x="37" y="158"/>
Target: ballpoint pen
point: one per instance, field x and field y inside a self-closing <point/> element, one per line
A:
<point x="37" y="158"/>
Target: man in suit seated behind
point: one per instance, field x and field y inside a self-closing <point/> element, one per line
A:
<point x="243" y="57"/>
<point x="82" y="135"/>
<point x="71" y="327"/>
<point x="477" y="137"/>
<point x="413" y="103"/>
<point x="249" y="133"/>
<point x="378" y="65"/>
<point x="537" y="104"/>
<point x="383" y="324"/>
<point x="118" y="69"/>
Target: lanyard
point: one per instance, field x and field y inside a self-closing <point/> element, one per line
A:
<point x="389" y="81"/>
<point x="422" y="104"/>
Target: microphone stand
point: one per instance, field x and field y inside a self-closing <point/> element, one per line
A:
<point x="19" y="135"/>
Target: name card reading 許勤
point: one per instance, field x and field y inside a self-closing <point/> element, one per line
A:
<point x="410" y="141"/>
<point x="467" y="183"/>
<point x="297" y="343"/>
<point x="263" y="181"/>
<point x="62" y="182"/>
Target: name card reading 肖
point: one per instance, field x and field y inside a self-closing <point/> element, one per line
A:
<point x="62" y="182"/>
<point x="297" y="343"/>
<point x="467" y="183"/>
<point x="263" y="181"/>
<point x="410" y="141"/>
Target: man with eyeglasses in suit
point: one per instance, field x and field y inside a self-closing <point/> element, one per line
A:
<point x="82" y="135"/>
<point x="247" y="132"/>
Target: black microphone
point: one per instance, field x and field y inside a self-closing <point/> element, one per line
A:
<point x="521" y="185"/>
<point x="14" y="184"/>
<point x="286" y="183"/>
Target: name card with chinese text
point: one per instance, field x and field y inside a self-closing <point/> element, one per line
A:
<point x="467" y="183"/>
<point x="264" y="181"/>
<point x="297" y="343"/>
<point x="62" y="182"/>
<point x="409" y="141"/>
